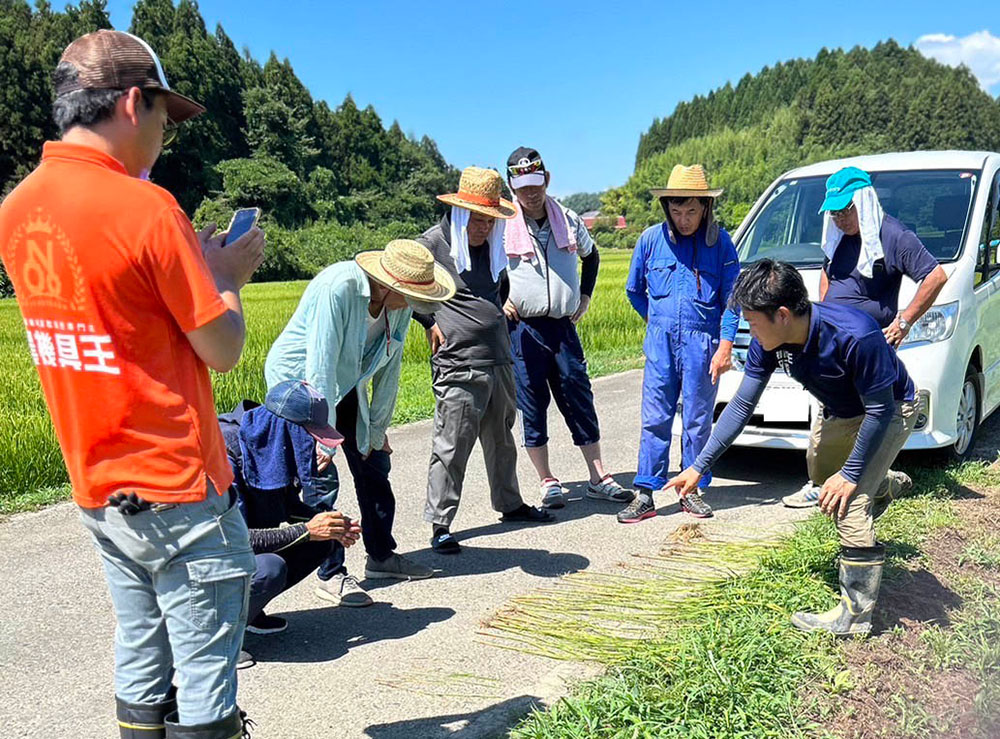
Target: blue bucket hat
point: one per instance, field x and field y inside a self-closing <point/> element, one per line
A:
<point x="841" y="186"/>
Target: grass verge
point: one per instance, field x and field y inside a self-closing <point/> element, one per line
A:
<point x="719" y="658"/>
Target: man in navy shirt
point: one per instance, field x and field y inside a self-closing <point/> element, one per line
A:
<point x="867" y="254"/>
<point x="840" y="355"/>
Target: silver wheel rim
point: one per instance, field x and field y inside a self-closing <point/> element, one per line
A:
<point x="966" y="417"/>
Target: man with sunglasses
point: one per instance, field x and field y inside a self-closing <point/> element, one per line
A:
<point x="125" y="309"/>
<point x="867" y="254"/>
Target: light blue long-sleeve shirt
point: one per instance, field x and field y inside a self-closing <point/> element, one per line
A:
<point x="324" y="344"/>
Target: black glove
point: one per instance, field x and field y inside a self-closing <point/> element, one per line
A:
<point x="128" y="504"/>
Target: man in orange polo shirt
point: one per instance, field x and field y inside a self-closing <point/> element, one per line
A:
<point x="125" y="308"/>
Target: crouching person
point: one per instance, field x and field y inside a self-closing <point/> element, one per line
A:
<point x="839" y="355"/>
<point x="275" y="451"/>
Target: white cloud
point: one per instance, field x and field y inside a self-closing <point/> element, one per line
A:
<point x="979" y="51"/>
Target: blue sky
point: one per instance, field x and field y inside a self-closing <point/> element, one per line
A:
<point x="578" y="81"/>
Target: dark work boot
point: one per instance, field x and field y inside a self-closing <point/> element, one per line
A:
<point x="143" y="720"/>
<point x="234" y="726"/>
<point x="860" y="577"/>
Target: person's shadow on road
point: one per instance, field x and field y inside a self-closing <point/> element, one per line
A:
<point x="327" y="633"/>
<point x="474" y="560"/>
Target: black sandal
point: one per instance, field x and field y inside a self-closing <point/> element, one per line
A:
<point x="527" y="514"/>
<point x="445" y="543"/>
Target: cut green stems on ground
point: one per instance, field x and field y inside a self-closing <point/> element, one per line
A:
<point x="711" y="654"/>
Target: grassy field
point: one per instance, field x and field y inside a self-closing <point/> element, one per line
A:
<point x="31" y="468"/>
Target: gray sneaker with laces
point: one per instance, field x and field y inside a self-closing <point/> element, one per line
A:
<point x="343" y="590"/>
<point x="396" y="567"/>
<point x="694" y="504"/>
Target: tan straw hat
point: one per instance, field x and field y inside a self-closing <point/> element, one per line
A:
<point x="408" y="268"/>
<point x="479" y="191"/>
<point x="686" y="182"/>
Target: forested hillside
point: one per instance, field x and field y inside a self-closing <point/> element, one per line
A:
<point x="888" y="98"/>
<point x="329" y="180"/>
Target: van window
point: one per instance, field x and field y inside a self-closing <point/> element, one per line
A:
<point x="932" y="203"/>
<point x="989" y="242"/>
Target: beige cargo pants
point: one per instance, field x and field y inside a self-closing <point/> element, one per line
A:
<point x="831" y="441"/>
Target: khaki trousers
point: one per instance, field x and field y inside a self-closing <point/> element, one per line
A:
<point x="831" y="441"/>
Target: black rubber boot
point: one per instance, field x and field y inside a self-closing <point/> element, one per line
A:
<point x="143" y="721"/>
<point x="234" y="726"/>
<point x="860" y="577"/>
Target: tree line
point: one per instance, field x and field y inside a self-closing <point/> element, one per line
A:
<point x="263" y="141"/>
<point x="842" y="103"/>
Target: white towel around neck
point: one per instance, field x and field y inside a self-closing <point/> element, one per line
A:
<point x="870" y="215"/>
<point x="460" y="243"/>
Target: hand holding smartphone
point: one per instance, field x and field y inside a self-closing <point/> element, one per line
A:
<point x="243" y="220"/>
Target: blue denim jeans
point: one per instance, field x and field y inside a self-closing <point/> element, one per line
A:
<point x="179" y="581"/>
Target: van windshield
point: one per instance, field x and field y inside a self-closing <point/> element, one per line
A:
<point x="934" y="204"/>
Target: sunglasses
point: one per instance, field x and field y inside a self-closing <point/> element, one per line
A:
<point x="520" y="169"/>
<point x="842" y="213"/>
<point x="169" y="133"/>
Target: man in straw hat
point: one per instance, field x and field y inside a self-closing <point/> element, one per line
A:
<point x="348" y="333"/>
<point x="681" y="275"/>
<point x="471" y="358"/>
<point x="867" y="254"/>
<point x="126" y="308"/>
<point x="545" y="243"/>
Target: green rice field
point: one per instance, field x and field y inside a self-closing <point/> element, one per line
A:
<point x="31" y="467"/>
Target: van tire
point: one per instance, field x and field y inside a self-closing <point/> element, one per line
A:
<point x="968" y="418"/>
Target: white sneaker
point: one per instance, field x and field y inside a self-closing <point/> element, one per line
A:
<point x="806" y="496"/>
<point x="343" y="590"/>
<point x="396" y="567"/>
<point x="553" y="494"/>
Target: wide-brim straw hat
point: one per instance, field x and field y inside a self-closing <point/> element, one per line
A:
<point x="479" y="191"/>
<point x="686" y="182"/>
<point x="407" y="267"/>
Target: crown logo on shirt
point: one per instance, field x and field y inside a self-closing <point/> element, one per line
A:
<point x="41" y="258"/>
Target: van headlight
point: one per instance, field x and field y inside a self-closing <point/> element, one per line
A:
<point x="937" y="324"/>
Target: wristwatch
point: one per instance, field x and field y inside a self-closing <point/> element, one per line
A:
<point x="903" y="323"/>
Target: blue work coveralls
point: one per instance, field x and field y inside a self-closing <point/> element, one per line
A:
<point x="680" y="285"/>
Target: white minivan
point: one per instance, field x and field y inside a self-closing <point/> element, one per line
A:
<point x="951" y="200"/>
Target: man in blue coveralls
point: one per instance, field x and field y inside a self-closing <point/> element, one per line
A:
<point x="682" y="273"/>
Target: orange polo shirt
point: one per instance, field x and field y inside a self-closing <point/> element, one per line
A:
<point x="109" y="275"/>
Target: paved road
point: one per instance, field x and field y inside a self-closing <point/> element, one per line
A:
<point x="410" y="666"/>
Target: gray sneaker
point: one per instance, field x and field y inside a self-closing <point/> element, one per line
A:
<point x="608" y="489"/>
<point x="396" y="567"/>
<point x="343" y="590"/>
<point x="694" y="504"/>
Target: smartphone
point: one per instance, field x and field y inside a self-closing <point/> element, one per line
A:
<point x="243" y="220"/>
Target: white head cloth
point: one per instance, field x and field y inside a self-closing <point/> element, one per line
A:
<point x="870" y="215"/>
<point x="460" y="243"/>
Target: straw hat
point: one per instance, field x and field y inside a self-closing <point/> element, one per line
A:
<point x="408" y="268"/>
<point x="479" y="191"/>
<point x="686" y="182"/>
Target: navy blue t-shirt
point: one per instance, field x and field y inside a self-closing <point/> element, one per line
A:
<point x="878" y="296"/>
<point x="845" y="358"/>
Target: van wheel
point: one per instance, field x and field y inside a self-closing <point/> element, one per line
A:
<point x="967" y="423"/>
